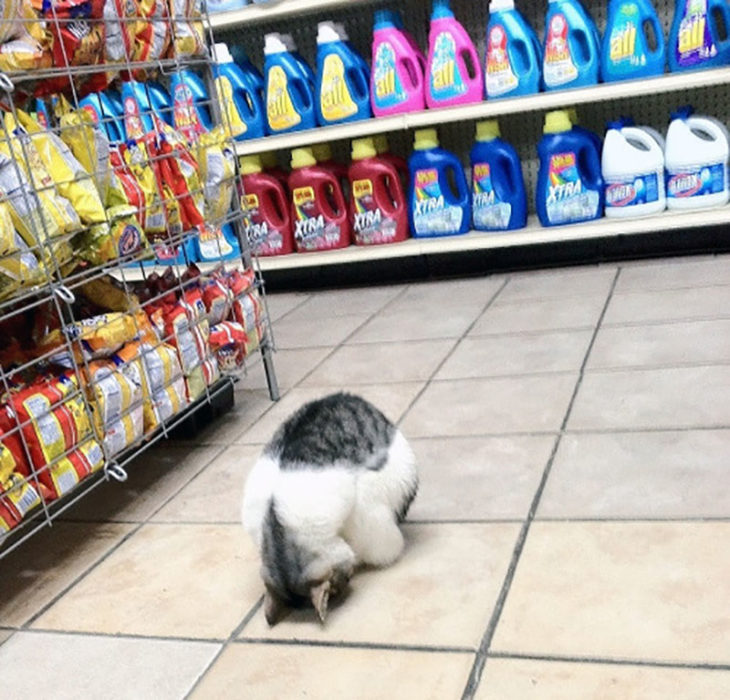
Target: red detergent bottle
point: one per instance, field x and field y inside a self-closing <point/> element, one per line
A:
<point x="378" y="205"/>
<point x="271" y="167"/>
<point x="401" y="164"/>
<point x="323" y="153"/>
<point x="319" y="210"/>
<point x="268" y="223"/>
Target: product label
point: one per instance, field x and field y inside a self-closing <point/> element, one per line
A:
<point x="280" y="111"/>
<point x="313" y="231"/>
<point x="558" y="66"/>
<point x="445" y="77"/>
<point x="694" y="42"/>
<point x="335" y="99"/>
<point x="489" y="212"/>
<point x="643" y="189"/>
<point x="388" y="87"/>
<point x="500" y="77"/>
<point x="213" y="243"/>
<point x="263" y="239"/>
<point x="185" y="114"/>
<point x="371" y="226"/>
<point x="696" y="182"/>
<point x="132" y="120"/>
<point x="432" y="215"/>
<point x="231" y="117"/>
<point x="567" y="200"/>
<point x="627" y="48"/>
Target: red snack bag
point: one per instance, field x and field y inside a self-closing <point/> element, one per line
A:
<point x="240" y="282"/>
<point x="18" y="496"/>
<point x="218" y="300"/>
<point x="228" y="342"/>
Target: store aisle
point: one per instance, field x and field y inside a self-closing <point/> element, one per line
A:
<point x="573" y="432"/>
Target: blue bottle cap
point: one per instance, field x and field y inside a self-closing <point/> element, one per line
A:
<point x="684" y="112"/>
<point x="442" y="9"/>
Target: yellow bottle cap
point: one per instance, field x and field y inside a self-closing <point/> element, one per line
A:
<point x="363" y="148"/>
<point x="426" y="139"/>
<point x="381" y="143"/>
<point x="557" y="122"/>
<point x="322" y="152"/>
<point x="268" y="159"/>
<point x="250" y="164"/>
<point x="572" y="114"/>
<point x="488" y="130"/>
<point x="302" y="157"/>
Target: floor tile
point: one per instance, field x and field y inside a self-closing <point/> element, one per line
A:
<point x="668" y="305"/>
<point x="280" y="671"/>
<point x="5" y="635"/>
<point x="675" y="274"/>
<point x="554" y="284"/>
<point x="478" y="478"/>
<point x="347" y="302"/>
<point x="653" y="399"/>
<point x="41" y="568"/>
<point x="524" y="679"/>
<point x="640" y="475"/>
<point x="315" y="330"/>
<point x="192" y="581"/>
<point x="673" y="344"/>
<point x="488" y="406"/>
<point x="517" y="354"/>
<point x="470" y="292"/>
<point x="653" y="591"/>
<point x="154" y="477"/>
<point x="540" y="315"/>
<point x="392" y="399"/>
<point x="281" y="303"/>
<point x="214" y="496"/>
<point x="441" y="593"/>
<point x="60" y="666"/>
<point x="250" y="405"/>
<point x="378" y="364"/>
<point x="291" y="367"/>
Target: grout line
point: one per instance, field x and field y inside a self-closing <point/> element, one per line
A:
<point x="482" y="654"/>
<point x="356" y="645"/>
<point x="679" y="320"/>
<point x="649" y="520"/>
<point x="121" y="635"/>
<point x="307" y="297"/>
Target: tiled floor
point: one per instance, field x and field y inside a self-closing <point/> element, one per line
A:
<point x="569" y="539"/>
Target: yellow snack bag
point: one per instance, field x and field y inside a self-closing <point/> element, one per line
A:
<point x="108" y="296"/>
<point x="188" y="32"/>
<point x="216" y="158"/>
<point x="122" y="237"/>
<point x="19" y="269"/>
<point x="7" y="231"/>
<point x="25" y="41"/>
<point x="136" y="157"/>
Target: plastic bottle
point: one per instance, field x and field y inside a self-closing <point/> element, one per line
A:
<point x="271" y="167"/>
<point x="578" y="129"/>
<point x="239" y="100"/>
<point x="569" y="183"/>
<point x="289" y="89"/>
<point x="397" y="83"/>
<point x="244" y="63"/>
<point x="190" y="104"/>
<point x="342" y="78"/>
<point x="383" y="148"/>
<point x="454" y="69"/>
<point x="571" y="55"/>
<point x="161" y="102"/>
<point x="499" y="200"/>
<point x="633" y="172"/>
<point x="103" y="112"/>
<point x="216" y="243"/>
<point x="697" y="39"/>
<point x="434" y="208"/>
<point x="379" y="210"/>
<point x="137" y="110"/>
<point x="323" y="155"/>
<point x="513" y="52"/>
<point x="319" y="210"/>
<point x="696" y="159"/>
<point x="268" y="224"/>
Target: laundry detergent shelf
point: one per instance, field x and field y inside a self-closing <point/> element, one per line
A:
<point x="697" y="39"/>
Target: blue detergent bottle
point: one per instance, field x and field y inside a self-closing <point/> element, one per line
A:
<point x="190" y="104"/>
<point x="499" y="200"/>
<point x="161" y="102"/>
<point x="571" y="55"/>
<point x="343" y="80"/>
<point x="215" y="243"/>
<point x="240" y="101"/>
<point x="253" y="74"/>
<point x="434" y="208"/>
<point x="695" y="39"/>
<point x="569" y="181"/>
<point x="103" y="112"/>
<point x="289" y="89"/>
<point x="513" y="52"/>
<point x="627" y="50"/>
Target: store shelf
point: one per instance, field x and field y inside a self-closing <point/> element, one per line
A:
<point x="534" y="234"/>
<point x="671" y="82"/>
<point x="137" y="273"/>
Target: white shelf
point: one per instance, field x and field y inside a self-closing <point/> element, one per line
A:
<point x="533" y="234"/>
<point x="671" y="82"/>
<point x="267" y="12"/>
<point x="137" y="273"/>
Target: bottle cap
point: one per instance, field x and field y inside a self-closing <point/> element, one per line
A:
<point x="557" y="122"/>
<point x="364" y="148"/>
<point x="341" y="31"/>
<point x="322" y="152"/>
<point x="573" y="115"/>
<point x="383" y="19"/>
<point x="497" y="5"/>
<point x="327" y="33"/>
<point x="221" y="53"/>
<point x="250" y="164"/>
<point x="268" y="159"/>
<point x="381" y="143"/>
<point x="274" y="43"/>
<point x="441" y="9"/>
<point x="289" y="42"/>
<point x="302" y="158"/>
<point x="683" y="112"/>
<point x="426" y="139"/>
<point x="488" y="130"/>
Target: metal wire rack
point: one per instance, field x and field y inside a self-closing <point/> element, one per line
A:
<point x="104" y="347"/>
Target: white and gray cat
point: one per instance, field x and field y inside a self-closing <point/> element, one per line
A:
<point x="327" y="494"/>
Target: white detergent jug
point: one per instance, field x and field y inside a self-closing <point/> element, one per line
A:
<point x="696" y="159"/>
<point x="633" y="171"/>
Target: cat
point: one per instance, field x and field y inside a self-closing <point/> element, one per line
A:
<point x="326" y="495"/>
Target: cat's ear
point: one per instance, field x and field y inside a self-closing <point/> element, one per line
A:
<point x="274" y="607"/>
<point x="320" y="596"/>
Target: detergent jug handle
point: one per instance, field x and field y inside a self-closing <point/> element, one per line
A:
<point x="588" y="39"/>
<point x="470" y="51"/>
<point x="709" y="126"/>
<point x="725" y="11"/>
<point x="659" y="35"/>
<point x="390" y="173"/>
<point x="282" y="205"/>
<point x="459" y="178"/>
<point x="337" y="195"/>
<point x="643" y="137"/>
<point x="412" y="71"/>
<point x="514" y="168"/>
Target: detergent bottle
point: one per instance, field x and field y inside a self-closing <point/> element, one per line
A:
<point x="699" y="35"/>
<point x="571" y="55"/>
<point x="190" y="104"/>
<point x="627" y="51"/>
<point x="513" y="52"/>
<point x="289" y="89"/>
<point x="434" y="208"/>
<point x="633" y="172"/>
<point x="319" y="210"/>
<point x="137" y="110"/>
<point x="271" y="167"/>
<point x="244" y="63"/>
<point x="397" y="83"/>
<point x="214" y="6"/>
<point x="454" y="69"/>
<point x="383" y="148"/>
<point x="268" y="222"/>
<point x="215" y="243"/>
<point x="379" y="211"/>
<point x="569" y="182"/>
<point x="696" y="159"/>
<point x="499" y="200"/>
<point x="342" y="78"/>
<point x="161" y="102"/>
<point x="323" y="155"/>
<point x="103" y="112"/>
<point x="578" y="129"/>
<point x="240" y="101"/>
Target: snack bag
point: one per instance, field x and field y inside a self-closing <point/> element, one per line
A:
<point x="155" y="218"/>
<point x="217" y="161"/>
<point x="218" y="299"/>
<point x="107" y="294"/>
<point x="63" y="475"/>
<point x="180" y="171"/>
<point x="164" y="183"/>
<point x="9" y="14"/>
<point x="18" y="496"/>
<point x="228" y="341"/>
<point x="152" y="37"/>
<point x="120" y="20"/>
<point x="26" y="46"/>
<point x="187" y="28"/>
<point x="124" y="189"/>
<point x="121" y="238"/>
<point x="19" y="268"/>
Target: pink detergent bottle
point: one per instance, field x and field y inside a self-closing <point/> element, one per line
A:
<point x="397" y="79"/>
<point x="454" y="69"/>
